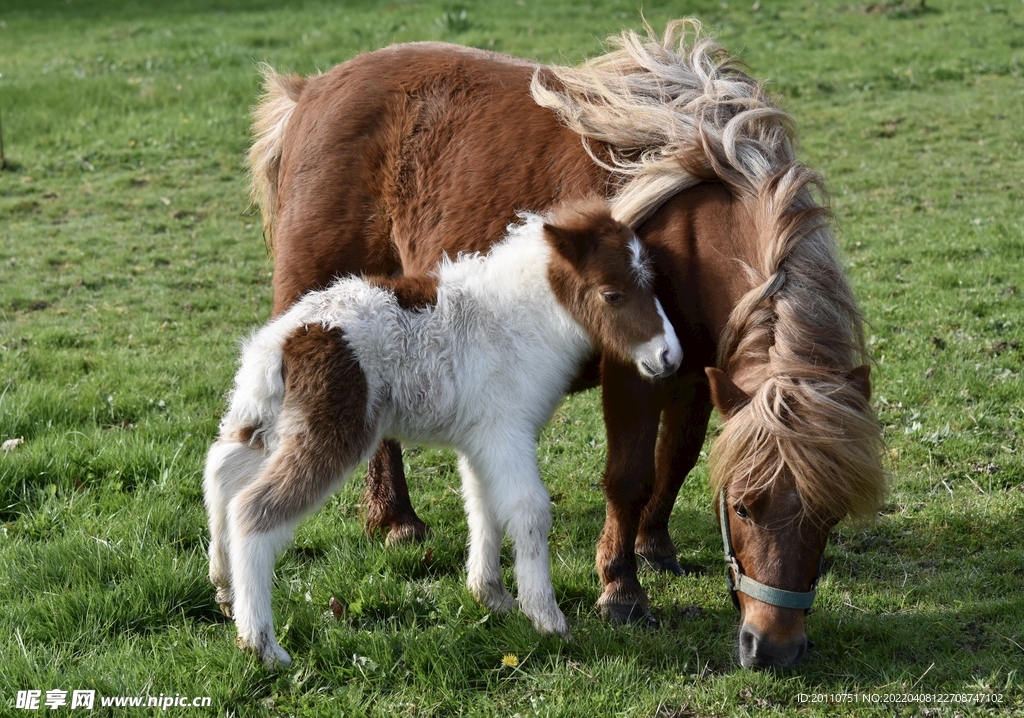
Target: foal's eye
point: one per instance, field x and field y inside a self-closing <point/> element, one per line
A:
<point x="741" y="511"/>
<point x="611" y="296"/>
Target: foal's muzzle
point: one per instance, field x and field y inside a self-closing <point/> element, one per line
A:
<point x="661" y="356"/>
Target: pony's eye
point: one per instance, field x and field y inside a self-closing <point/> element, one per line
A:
<point x="741" y="511"/>
<point x="611" y="296"/>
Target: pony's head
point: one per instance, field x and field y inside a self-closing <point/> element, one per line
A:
<point x="601" y="274"/>
<point x="783" y="478"/>
<point x="800" y="447"/>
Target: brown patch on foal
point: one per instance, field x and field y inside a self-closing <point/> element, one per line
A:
<point x="411" y="292"/>
<point x="324" y="429"/>
<point x="246" y="435"/>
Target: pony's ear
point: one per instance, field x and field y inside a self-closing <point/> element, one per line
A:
<point x="571" y="244"/>
<point x="726" y="396"/>
<point x="860" y="378"/>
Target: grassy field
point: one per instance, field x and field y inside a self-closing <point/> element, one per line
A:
<point x="131" y="264"/>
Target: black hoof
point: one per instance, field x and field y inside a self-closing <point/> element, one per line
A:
<point x="628" y="614"/>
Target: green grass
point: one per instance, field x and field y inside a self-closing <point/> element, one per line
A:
<point x="131" y="265"/>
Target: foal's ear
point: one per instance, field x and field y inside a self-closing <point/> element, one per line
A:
<point x="860" y="378"/>
<point x="726" y="396"/>
<point x="571" y="244"/>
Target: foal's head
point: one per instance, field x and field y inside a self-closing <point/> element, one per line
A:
<point x="602" y="275"/>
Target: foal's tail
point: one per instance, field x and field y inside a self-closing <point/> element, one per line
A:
<point x="258" y="394"/>
<point x="270" y="121"/>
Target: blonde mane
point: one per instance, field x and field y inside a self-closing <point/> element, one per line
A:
<point x="671" y="112"/>
<point x="677" y="111"/>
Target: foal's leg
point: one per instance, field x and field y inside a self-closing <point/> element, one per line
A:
<point x="299" y="477"/>
<point x="512" y="487"/>
<point x="483" y="568"/>
<point x="261" y="521"/>
<point x="684" y="424"/>
<point x="631" y="412"/>
<point x="325" y="431"/>
<point x="230" y="466"/>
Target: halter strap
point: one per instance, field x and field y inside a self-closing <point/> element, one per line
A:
<point x="739" y="583"/>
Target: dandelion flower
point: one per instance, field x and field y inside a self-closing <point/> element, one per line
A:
<point x="510" y="660"/>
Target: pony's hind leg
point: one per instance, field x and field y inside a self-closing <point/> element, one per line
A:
<point x="483" y="567"/>
<point x="230" y="466"/>
<point x="386" y="498"/>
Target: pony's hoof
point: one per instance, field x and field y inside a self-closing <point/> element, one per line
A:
<point x="410" y="531"/>
<point x="629" y="614"/>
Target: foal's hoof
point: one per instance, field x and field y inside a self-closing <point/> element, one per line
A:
<point x="540" y="607"/>
<point x="552" y="623"/>
<point x="629" y="614"/>
<point x="225" y="597"/>
<point x="271" y="654"/>
<point x="492" y="594"/>
<point x="411" y="531"/>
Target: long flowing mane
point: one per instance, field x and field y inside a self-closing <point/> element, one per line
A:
<point x="679" y="110"/>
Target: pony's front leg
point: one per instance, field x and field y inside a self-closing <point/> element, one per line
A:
<point x="230" y="466"/>
<point x="684" y="423"/>
<point x="518" y="499"/>
<point x="483" y="568"/>
<point x="631" y="413"/>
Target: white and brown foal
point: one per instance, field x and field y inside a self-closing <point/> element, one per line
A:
<point x="475" y="357"/>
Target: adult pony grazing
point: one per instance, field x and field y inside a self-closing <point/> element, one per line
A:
<point x="391" y="159"/>
<point x="476" y="357"/>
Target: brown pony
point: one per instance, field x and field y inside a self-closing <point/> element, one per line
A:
<point x="396" y="157"/>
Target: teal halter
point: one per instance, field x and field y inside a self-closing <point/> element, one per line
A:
<point x="738" y="583"/>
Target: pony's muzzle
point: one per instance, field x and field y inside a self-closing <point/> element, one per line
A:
<point x="758" y="650"/>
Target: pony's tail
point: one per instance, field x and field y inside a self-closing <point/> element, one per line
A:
<point x="270" y="121"/>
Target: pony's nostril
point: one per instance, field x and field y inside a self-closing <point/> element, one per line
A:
<point x="748" y="642"/>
